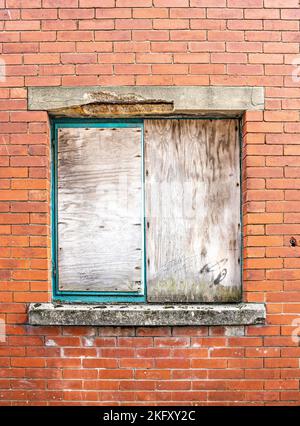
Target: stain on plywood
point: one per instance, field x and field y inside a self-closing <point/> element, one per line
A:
<point x="192" y="210"/>
<point x="99" y="209"/>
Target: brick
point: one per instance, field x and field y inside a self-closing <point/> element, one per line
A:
<point x="290" y="103"/>
<point x="134" y="3"/>
<point x="224" y="13"/>
<point x="281" y="47"/>
<point x="263" y="36"/>
<point x="75" y="36"/>
<point x="56" y="69"/>
<point x="169" y="69"/>
<point x="185" y="12"/>
<point x="207" y="69"/>
<point x="208" y="3"/>
<point x="264" y="241"/>
<point x="57" y="47"/>
<point x="263" y="149"/>
<point x="86" y="47"/>
<point x="292" y="172"/>
<point x="286" y="206"/>
<point x="8" y="172"/>
<point x="13" y="195"/>
<point x="131" y="69"/>
<point x="171" y="3"/>
<point x="59" y="25"/>
<point x="265" y="218"/>
<point x="284" y="183"/>
<point x="76" y="14"/>
<point x="187" y="35"/>
<point x="292" y="150"/>
<point x="22" y="26"/>
<point x="283" y="161"/>
<point x="168" y="47"/>
<point x="115" y="58"/>
<point x="150" y="58"/>
<point x="29" y="207"/>
<point x="28" y="116"/>
<point x="262" y="14"/>
<point x="32" y="161"/>
<point x="78" y="58"/>
<point x="21" y="3"/>
<point x="206" y="46"/>
<point x="136" y="363"/>
<point x="291" y="37"/>
<point x="94" y="69"/>
<point x="113" y="35"/>
<point x="280" y="229"/>
<point x="234" y="36"/>
<point x="263" y="263"/>
<point x="127" y="24"/>
<point x="281" y="25"/>
<point x="47" y="58"/>
<point x="290" y="13"/>
<point x="97" y="24"/>
<point x="281" y="116"/>
<point x="281" y="3"/>
<point x="59" y="3"/>
<point x="10" y="37"/>
<point x="245" y="24"/>
<point x="244" y="47"/>
<point x="20" y="47"/>
<point x="38" y="36"/>
<point x="121" y="13"/>
<point x="291" y="128"/>
<point x="38" y="14"/>
<point x="228" y="58"/>
<point x="248" y="69"/>
<point x="245" y="3"/>
<point x="170" y="24"/>
<point x="190" y="58"/>
<point x="12" y="104"/>
<point x="97" y="3"/>
<point x="208" y="24"/>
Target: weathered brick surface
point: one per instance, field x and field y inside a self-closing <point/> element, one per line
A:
<point x="145" y="42"/>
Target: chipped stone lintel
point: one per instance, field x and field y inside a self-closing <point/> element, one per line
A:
<point x="100" y="109"/>
<point x="146" y="314"/>
<point x="178" y="99"/>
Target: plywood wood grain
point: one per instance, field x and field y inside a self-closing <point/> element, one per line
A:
<point x="192" y="210"/>
<point x="99" y="209"/>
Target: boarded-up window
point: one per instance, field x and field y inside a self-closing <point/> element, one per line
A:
<point x="189" y="239"/>
<point x="100" y="231"/>
<point x="193" y="210"/>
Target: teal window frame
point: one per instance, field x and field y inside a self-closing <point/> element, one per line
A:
<point x="116" y="297"/>
<point x="91" y="296"/>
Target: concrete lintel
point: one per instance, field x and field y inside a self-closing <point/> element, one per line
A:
<point x="146" y="314"/>
<point x="183" y="99"/>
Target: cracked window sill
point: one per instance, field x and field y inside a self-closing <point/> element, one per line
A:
<point x="146" y="314"/>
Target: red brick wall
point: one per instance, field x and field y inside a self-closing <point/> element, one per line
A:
<point x="152" y="42"/>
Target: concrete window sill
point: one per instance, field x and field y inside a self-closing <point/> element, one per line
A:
<point x="147" y="314"/>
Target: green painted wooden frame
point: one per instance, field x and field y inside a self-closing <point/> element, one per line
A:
<point x="117" y="297"/>
<point x="90" y="296"/>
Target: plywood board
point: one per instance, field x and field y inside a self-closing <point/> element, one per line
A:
<point x="192" y="210"/>
<point x="99" y="209"/>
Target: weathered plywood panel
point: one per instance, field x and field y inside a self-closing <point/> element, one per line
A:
<point x="99" y="209"/>
<point x="192" y="210"/>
